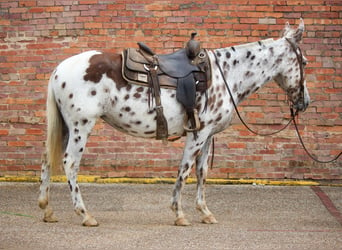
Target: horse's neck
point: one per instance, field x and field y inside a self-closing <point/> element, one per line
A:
<point x="248" y="67"/>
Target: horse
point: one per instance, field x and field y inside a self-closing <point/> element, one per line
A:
<point x="90" y="85"/>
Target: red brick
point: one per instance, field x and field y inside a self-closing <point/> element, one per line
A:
<point x="46" y="33"/>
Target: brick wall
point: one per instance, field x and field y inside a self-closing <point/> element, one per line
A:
<point x="35" y="35"/>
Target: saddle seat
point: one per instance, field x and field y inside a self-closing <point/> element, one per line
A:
<point x="176" y="64"/>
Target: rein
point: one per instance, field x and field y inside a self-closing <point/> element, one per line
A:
<point x="292" y="111"/>
<point x="237" y="111"/>
<point x="293" y="115"/>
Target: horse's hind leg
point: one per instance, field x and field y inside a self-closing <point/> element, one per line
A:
<point x="201" y="173"/>
<point x="43" y="199"/>
<point x="71" y="161"/>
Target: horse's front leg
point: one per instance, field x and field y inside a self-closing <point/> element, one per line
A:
<point x="191" y="150"/>
<point x="201" y="174"/>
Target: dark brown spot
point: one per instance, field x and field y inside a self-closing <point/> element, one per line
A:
<point x="235" y="88"/>
<point x="279" y="60"/>
<point x="271" y="51"/>
<point x="140" y="89"/>
<point x="126" y="97"/>
<point x="137" y="95"/>
<point x="228" y="55"/>
<point x="63" y="85"/>
<point x="93" y="92"/>
<point x="196" y="152"/>
<point x="71" y="96"/>
<point x="84" y="121"/>
<point x="128" y="87"/>
<point x="81" y="150"/>
<point x="105" y="63"/>
<point x="218" y="118"/>
<point x="56" y="76"/>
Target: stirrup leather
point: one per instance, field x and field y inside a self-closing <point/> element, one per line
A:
<point x="197" y="124"/>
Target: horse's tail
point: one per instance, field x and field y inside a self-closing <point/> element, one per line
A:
<point x="55" y="124"/>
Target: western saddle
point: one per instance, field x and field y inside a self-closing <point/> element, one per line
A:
<point x="186" y="70"/>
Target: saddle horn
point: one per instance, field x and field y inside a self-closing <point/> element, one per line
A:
<point x="192" y="47"/>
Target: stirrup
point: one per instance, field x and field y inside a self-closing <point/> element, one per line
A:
<point x="197" y="122"/>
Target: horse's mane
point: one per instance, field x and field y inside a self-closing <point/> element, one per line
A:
<point x="252" y="44"/>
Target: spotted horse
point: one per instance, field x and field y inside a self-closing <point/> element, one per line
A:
<point x="75" y="101"/>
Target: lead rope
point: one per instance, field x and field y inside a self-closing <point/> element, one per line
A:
<point x="293" y="115"/>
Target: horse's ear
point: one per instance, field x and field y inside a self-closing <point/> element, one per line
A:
<point x="286" y="29"/>
<point x="299" y="32"/>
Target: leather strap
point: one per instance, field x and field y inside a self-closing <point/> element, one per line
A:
<point x="162" y="128"/>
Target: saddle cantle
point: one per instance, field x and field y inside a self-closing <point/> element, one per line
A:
<point x="186" y="70"/>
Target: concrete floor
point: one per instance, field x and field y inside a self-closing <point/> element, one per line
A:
<point x="137" y="216"/>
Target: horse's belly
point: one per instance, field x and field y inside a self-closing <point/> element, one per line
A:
<point x="132" y="114"/>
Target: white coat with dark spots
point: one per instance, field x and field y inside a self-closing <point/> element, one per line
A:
<point x="89" y="86"/>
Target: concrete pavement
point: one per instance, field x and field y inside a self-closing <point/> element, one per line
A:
<point x="137" y="216"/>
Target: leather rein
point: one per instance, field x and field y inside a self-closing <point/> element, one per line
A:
<point x="294" y="113"/>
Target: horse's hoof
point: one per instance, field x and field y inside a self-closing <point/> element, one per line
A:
<point x="90" y="222"/>
<point x="210" y="219"/>
<point x="182" y="222"/>
<point x="49" y="216"/>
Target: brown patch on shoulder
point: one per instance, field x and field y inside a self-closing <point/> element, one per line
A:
<point x="105" y="63"/>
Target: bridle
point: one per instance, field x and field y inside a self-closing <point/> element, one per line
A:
<point x="294" y="113"/>
<point x="299" y="56"/>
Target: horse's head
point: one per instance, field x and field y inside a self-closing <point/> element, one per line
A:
<point x="292" y="77"/>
